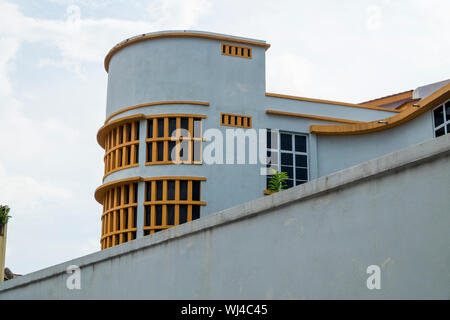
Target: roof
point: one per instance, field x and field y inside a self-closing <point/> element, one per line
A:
<point x="391" y="101"/>
<point x="411" y="110"/>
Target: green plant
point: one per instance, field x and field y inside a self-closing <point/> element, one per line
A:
<point x="278" y="181"/>
<point x="4" y="217"/>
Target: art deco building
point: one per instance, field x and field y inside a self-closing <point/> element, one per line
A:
<point x="165" y="89"/>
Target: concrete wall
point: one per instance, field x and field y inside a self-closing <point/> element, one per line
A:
<point x="313" y="241"/>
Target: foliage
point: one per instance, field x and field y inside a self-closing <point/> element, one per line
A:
<point x="4" y="217"/>
<point x="278" y="181"/>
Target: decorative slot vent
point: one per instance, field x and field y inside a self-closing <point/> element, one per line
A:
<point x="235" y="120"/>
<point x="236" y="51"/>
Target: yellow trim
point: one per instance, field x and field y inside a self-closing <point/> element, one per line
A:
<point x="115" y="123"/>
<point x="98" y="194"/>
<point x="157" y="103"/>
<point x="122" y="45"/>
<point x="412" y="111"/>
<point x="309" y="116"/>
<point x="344" y="104"/>
<point x="388" y="99"/>
<point x="174" y="178"/>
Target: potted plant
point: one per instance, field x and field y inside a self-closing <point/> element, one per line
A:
<point x="4" y="217"/>
<point x="278" y="181"/>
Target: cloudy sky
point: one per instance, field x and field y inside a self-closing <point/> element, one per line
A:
<point x="53" y="87"/>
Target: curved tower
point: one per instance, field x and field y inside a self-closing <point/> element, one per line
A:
<point x="164" y="90"/>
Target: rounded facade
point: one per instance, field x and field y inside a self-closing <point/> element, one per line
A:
<point x="164" y="90"/>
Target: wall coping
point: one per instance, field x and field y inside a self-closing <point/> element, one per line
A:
<point x="399" y="160"/>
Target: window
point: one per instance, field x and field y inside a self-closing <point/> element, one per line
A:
<point x="174" y="139"/>
<point x="235" y="120"/>
<point x="119" y="215"/>
<point x="288" y="153"/>
<point x="122" y="147"/>
<point x="171" y="201"/>
<point x="236" y="51"/>
<point x="441" y="119"/>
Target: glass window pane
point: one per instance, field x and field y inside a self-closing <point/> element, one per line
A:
<point x="287" y="159"/>
<point x="147" y="215"/>
<point x="272" y="139"/>
<point x="172" y="126"/>
<point x="297" y="182"/>
<point x="172" y="150"/>
<point x="300" y="143"/>
<point x="197" y="150"/>
<point x="196" y="190"/>
<point x="197" y="128"/>
<point x="301" y="174"/>
<point x="448" y="128"/>
<point x="290" y="183"/>
<point x="160" y="155"/>
<point x="438" y="116"/>
<point x="159" y="190"/>
<point x="447" y="110"/>
<point x="161" y="127"/>
<point x="195" y="212"/>
<point x="170" y="190"/>
<point x="149" y="152"/>
<point x="289" y="171"/>
<point x="286" y="141"/>
<point x="183" y="189"/>
<point x="170" y="214"/>
<point x="158" y="215"/>
<point x="183" y="213"/>
<point x="272" y="158"/>
<point x="184" y="150"/>
<point x="301" y="161"/>
<point x="184" y="127"/>
<point x="137" y="130"/>
<point x="440" y="132"/>
<point x="148" y="194"/>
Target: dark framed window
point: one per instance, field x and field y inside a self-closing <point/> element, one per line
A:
<point x="288" y="152"/>
<point x="441" y="119"/>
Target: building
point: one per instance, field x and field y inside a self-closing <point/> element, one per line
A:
<point x="162" y="82"/>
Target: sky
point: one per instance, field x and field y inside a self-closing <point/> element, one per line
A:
<point x="53" y="87"/>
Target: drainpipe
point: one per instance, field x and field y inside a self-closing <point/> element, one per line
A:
<point x="2" y="251"/>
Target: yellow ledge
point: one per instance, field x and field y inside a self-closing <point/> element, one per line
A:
<point x="343" y="104"/>
<point x="309" y="116"/>
<point x="115" y="123"/>
<point x="99" y="192"/>
<point x="412" y="110"/>
<point x="157" y="103"/>
<point x="128" y="42"/>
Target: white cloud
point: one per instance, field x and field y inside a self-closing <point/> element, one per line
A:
<point x="373" y="17"/>
<point x="177" y="14"/>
